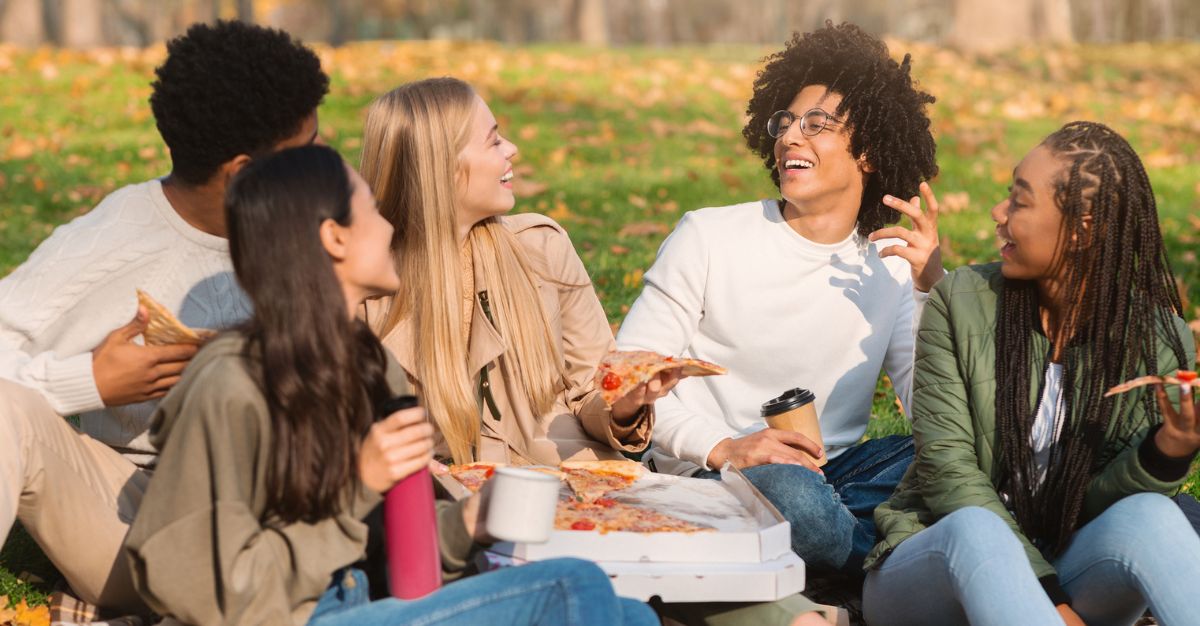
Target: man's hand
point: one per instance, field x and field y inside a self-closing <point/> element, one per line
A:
<point x="1180" y="433"/>
<point x="646" y="393"/>
<point x="771" y="445"/>
<point x="126" y="372"/>
<point x="924" y="251"/>
<point x="395" y="448"/>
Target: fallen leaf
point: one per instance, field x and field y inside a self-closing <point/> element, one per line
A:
<point x="527" y="188"/>
<point x="618" y="249"/>
<point x="637" y="229"/>
<point x="637" y="201"/>
<point x="954" y="202"/>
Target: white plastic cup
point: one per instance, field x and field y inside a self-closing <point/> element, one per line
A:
<point x="521" y="505"/>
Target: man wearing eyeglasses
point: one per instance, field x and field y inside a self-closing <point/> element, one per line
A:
<point x="813" y="290"/>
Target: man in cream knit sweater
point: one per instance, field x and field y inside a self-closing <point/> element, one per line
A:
<point x="811" y="291"/>
<point x="69" y="319"/>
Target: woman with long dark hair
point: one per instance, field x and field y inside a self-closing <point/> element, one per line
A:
<point x="270" y="452"/>
<point x="1034" y="498"/>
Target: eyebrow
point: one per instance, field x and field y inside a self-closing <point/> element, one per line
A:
<point x="1021" y="182"/>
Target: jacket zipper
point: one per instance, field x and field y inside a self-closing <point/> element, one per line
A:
<point x="485" y="385"/>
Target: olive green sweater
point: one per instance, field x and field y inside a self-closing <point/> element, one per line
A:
<point x="954" y="421"/>
<point x="202" y="549"/>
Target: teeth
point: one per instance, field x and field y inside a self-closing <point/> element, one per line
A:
<point x="507" y="176"/>
<point x="797" y="164"/>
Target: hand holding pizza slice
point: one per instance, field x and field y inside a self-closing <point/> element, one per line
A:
<point x="621" y="372"/>
<point x="165" y="329"/>
<point x="1181" y="377"/>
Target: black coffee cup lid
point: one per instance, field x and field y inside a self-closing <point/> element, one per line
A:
<point x="790" y="399"/>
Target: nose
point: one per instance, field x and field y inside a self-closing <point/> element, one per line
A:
<point x="512" y="150"/>
<point x="1000" y="212"/>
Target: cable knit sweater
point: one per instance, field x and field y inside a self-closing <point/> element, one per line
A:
<point x="79" y="285"/>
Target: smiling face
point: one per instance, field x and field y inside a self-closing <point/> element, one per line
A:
<point x="818" y="171"/>
<point x="486" y="182"/>
<point x="1029" y="222"/>
<point x="366" y="266"/>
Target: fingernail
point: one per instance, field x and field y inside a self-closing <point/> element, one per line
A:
<point x="888" y="198"/>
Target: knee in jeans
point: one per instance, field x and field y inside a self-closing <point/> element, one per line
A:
<point x="576" y="572"/>
<point x="789" y="483"/>
<point x="1150" y="518"/>
<point x="980" y="532"/>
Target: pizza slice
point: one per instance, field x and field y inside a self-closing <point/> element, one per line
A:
<point x="623" y="370"/>
<point x="474" y="475"/>
<point x="607" y="515"/>
<point x="591" y="480"/>
<point x="166" y="329"/>
<point x="1181" y="377"/>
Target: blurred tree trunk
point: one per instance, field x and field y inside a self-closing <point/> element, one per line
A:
<point x="22" y="22"/>
<point x="245" y="10"/>
<point x="83" y="23"/>
<point x="985" y="26"/>
<point x="1053" y="21"/>
<point x="593" y="23"/>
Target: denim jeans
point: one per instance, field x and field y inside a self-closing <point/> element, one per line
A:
<point x="833" y="516"/>
<point x="970" y="567"/>
<point x="568" y="592"/>
<point x="1191" y="510"/>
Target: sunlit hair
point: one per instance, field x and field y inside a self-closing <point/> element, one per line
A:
<point x="1122" y="303"/>
<point x="321" y="372"/>
<point x="412" y="144"/>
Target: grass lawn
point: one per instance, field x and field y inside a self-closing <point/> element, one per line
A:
<point x="616" y="145"/>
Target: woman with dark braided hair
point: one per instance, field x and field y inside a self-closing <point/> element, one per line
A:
<point x="1034" y="498"/>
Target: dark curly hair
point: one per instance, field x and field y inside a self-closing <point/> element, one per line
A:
<point x="232" y="88"/>
<point x="885" y="111"/>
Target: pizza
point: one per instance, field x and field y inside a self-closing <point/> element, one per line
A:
<point x="607" y="515"/>
<point x="166" y="329"/>
<point x="1181" y="377"/>
<point x="591" y="480"/>
<point x="621" y="371"/>
<point x="474" y="475"/>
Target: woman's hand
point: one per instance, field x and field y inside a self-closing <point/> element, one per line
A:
<point x="1069" y="615"/>
<point x="394" y="448"/>
<point x="924" y="250"/>
<point x="1180" y="433"/>
<point x="646" y="393"/>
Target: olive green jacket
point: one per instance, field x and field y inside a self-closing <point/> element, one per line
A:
<point x="954" y="421"/>
<point x="202" y="549"/>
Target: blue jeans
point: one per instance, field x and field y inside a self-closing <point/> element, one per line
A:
<point x="559" y="591"/>
<point x="833" y="516"/>
<point x="970" y="567"/>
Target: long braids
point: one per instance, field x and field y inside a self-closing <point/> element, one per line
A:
<point x="1123" y="297"/>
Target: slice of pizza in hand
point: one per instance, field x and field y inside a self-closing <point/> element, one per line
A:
<point x="621" y="371"/>
<point x="591" y="480"/>
<point x="1181" y="377"/>
<point x="165" y="329"/>
<point x="474" y="475"/>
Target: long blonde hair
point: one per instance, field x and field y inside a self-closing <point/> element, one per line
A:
<point x="412" y="141"/>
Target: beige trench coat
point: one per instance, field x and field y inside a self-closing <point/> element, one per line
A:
<point x="579" y="426"/>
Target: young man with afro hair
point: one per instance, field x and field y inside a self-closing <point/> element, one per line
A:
<point x="69" y="318"/>
<point x="813" y="290"/>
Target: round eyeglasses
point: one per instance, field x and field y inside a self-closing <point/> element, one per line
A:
<point x="812" y="122"/>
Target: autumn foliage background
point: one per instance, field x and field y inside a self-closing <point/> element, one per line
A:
<point x="617" y="144"/>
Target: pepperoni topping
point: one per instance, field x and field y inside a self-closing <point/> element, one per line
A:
<point x="605" y="502"/>
<point x="611" y="381"/>
<point x="583" y="525"/>
<point x="1186" y="376"/>
<point x="490" y="471"/>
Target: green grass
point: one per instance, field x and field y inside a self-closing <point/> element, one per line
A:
<point x="624" y="138"/>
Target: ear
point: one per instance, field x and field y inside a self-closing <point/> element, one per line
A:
<point x="864" y="164"/>
<point x="230" y="168"/>
<point x="333" y="238"/>
<point x="1089" y="233"/>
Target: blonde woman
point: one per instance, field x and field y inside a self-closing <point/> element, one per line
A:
<point x="497" y="322"/>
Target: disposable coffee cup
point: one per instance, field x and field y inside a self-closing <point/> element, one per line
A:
<point x="795" y="410"/>
<point x="521" y="505"/>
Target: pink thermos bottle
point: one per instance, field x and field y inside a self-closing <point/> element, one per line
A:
<point x="410" y="523"/>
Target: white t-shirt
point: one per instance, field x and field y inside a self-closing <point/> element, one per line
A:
<point x="738" y="286"/>
<point x="79" y="285"/>
<point x="1046" y="425"/>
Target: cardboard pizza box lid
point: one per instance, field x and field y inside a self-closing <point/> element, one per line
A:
<point x="748" y="528"/>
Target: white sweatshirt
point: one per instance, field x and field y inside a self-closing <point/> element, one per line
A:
<point x="737" y="286"/>
<point x="78" y="286"/>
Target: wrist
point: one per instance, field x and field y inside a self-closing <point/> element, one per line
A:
<point x="1171" y="445"/>
<point x="719" y="454"/>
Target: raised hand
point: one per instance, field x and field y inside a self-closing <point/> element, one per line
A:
<point x="646" y="393"/>
<point x="771" y="445"/>
<point x="924" y="251"/>
<point x="1180" y="433"/>
<point x="126" y="372"/>
<point x="395" y="448"/>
